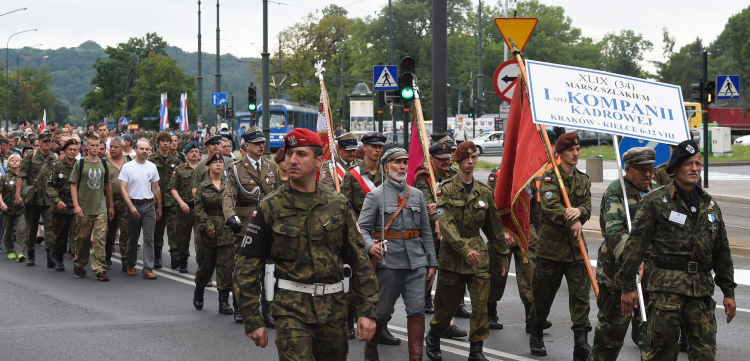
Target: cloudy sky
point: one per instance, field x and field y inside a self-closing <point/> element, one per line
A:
<point x="68" y="23"/>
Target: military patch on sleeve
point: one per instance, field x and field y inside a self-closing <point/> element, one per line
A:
<point x="548" y="179"/>
<point x="548" y="195"/>
<point x="439" y="192"/>
<point x="322" y="175"/>
<point x="257" y="240"/>
<point x="492" y="178"/>
<point x="440" y="212"/>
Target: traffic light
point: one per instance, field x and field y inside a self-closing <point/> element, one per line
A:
<point x="481" y="107"/>
<point x="699" y="87"/>
<point x="709" y="88"/>
<point x="251" y="92"/>
<point x="471" y="112"/>
<point x="406" y="69"/>
<point x="230" y="113"/>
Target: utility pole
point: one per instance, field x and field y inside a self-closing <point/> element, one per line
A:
<point x="342" y="88"/>
<point x="706" y="143"/>
<point x="218" y="59"/>
<point x="480" y="76"/>
<point x="390" y="27"/>
<point x="439" y="69"/>
<point x="265" y="91"/>
<point x="199" y="78"/>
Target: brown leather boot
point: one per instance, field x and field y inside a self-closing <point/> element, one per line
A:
<point x="371" y="347"/>
<point x="415" y="331"/>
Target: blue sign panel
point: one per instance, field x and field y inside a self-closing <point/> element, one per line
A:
<point x="218" y="99"/>
<point x="728" y="87"/>
<point x="150" y="118"/>
<point x="662" y="150"/>
<point x="385" y="77"/>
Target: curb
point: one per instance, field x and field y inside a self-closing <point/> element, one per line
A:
<point x="736" y="251"/>
<point x="731" y="199"/>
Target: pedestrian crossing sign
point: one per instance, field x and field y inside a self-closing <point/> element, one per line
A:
<point x="385" y="77"/>
<point x="729" y="86"/>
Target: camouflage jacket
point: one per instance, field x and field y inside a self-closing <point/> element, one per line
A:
<point x="307" y="245"/>
<point x="165" y="166"/>
<point x="31" y="167"/>
<point x="614" y="226"/>
<point x="325" y="172"/>
<point x="181" y="178"/>
<point x="556" y="240"/>
<point x="57" y="177"/>
<point x="665" y="224"/>
<point x="209" y="214"/>
<point x="422" y="182"/>
<point x="461" y="217"/>
<point x="352" y="190"/>
<point x="8" y="190"/>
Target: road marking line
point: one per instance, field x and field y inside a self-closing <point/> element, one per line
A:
<point x="139" y="266"/>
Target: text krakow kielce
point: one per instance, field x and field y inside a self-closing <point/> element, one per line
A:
<point x="593" y="100"/>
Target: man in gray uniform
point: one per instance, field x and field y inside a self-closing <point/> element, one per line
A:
<point x="408" y="260"/>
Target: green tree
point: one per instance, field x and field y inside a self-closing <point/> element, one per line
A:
<point x="161" y="74"/>
<point x="623" y="53"/>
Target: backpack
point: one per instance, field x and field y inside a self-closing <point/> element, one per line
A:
<point x="106" y="170"/>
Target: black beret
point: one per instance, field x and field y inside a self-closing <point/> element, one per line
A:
<point x="682" y="152"/>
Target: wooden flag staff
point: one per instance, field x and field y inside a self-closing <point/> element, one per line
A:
<point x="329" y="124"/>
<point x="425" y="147"/>
<point x="551" y="156"/>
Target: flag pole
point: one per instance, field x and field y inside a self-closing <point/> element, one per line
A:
<point x="561" y="184"/>
<point x="425" y="148"/>
<point x="329" y="124"/>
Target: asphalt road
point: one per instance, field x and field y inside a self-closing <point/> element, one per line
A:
<point x="46" y="314"/>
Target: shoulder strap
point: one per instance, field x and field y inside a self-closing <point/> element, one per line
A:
<point x="366" y="183"/>
<point x="398" y="210"/>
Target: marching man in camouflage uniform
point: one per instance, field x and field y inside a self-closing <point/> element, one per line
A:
<point x="166" y="163"/>
<point x="465" y="206"/>
<point x="347" y="147"/>
<point x="613" y="325"/>
<point x="684" y="227"/>
<point x="58" y="192"/>
<point x="410" y="256"/>
<point x="14" y="223"/>
<point x="307" y="233"/>
<point x="558" y="253"/>
<point x="182" y="193"/>
<point x="115" y="162"/>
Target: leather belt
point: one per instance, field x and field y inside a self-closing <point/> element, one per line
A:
<point x="468" y="234"/>
<point x="247" y="204"/>
<point x="414" y="233"/>
<point x="215" y="213"/>
<point x="315" y="289"/>
<point x="140" y="202"/>
<point x="690" y="267"/>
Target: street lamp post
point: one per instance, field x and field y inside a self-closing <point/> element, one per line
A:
<point x="7" y="56"/>
<point x="26" y="71"/>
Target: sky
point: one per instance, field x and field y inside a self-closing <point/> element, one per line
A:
<point x="108" y="22"/>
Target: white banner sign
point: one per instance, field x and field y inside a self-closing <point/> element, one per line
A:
<point x="593" y="100"/>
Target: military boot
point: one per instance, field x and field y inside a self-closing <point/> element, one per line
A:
<point x="350" y="330"/>
<point x="224" y="307"/>
<point x="453" y="333"/>
<point x="30" y="260"/>
<point x="492" y="318"/>
<point x="50" y="260"/>
<point x="175" y="261"/>
<point x="547" y="323"/>
<point x="59" y="265"/>
<point x="582" y="348"/>
<point x="462" y="311"/>
<point x="683" y="339"/>
<point x="432" y="346"/>
<point x="429" y="307"/>
<point x="536" y="341"/>
<point x="371" y="346"/>
<point x="237" y="314"/>
<point x="415" y="331"/>
<point x="475" y="352"/>
<point x="183" y="265"/>
<point x="386" y="338"/>
<point x="157" y="260"/>
<point x="198" y="298"/>
<point x="265" y="308"/>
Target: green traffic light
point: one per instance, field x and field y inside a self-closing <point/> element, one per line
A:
<point x="251" y="107"/>
<point x="407" y="93"/>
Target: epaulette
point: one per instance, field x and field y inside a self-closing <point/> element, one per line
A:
<point x="421" y="172"/>
<point x="485" y="186"/>
<point x="236" y="162"/>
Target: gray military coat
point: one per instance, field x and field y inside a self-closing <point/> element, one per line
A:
<point x="402" y="253"/>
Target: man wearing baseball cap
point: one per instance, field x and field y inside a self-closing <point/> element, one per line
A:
<point x="683" y="229"/>
<point x="346" y="146"/>
<point x="308" y="233"/>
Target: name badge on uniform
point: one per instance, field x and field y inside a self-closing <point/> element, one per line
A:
<point x="677" y="217"/>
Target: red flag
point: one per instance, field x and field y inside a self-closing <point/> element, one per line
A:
<point x="523" y="158"/>
<point x="416" y="156"/>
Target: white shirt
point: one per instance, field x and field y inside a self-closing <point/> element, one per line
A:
<point x="139" y="177"/>
<point x="460" y="135"/>
<point x="254" y="162"/>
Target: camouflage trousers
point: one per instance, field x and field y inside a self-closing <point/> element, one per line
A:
<point x="299" y="341"/>
<point x="184" y="224"/>
<point x="59" y="230"/>
<point x="219" y="258"/>
<point x="666" y="310"/>
<point x="91" y="238"/>
<point x="32" y="214"/>
<point x="14" y="227"/>
<point x="547" y="278"/>
<point x="166" y="222"/>
<point x="524" y="273"/>
<point x="448" y="296"/>
<point x="611" y="328"/>
<point x="118" y="222"/>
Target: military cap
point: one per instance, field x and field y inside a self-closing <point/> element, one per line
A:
<point x="4" y="139"/>
<point x="393" y="154"/>
<point x="441" y="150"/>
<point x="566" y="140"/>
<point x="447" y="139"/>
<point x="23" y="138"/>
<point x="464" y="150"/>
<point x="190" y="146"/>
<point x="25" y="148"/>
<point x="682" y="152"/>
<point x="68" y="143"/>
<point x="374" y="138"/>
<point x="301" y="137"/>
<point x="16" y="135"/>
<point x="215" y="157"/>
<point x="639" y="155"/>
<point x="46" y="136"/>
<point x="253" y="135"/>
<point x="347" y="141"/>
<point x="279" y="157"/>
<point x="216" y="139"/>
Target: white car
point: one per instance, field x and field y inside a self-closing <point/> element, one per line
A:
<point x="490" y="143"/>
<point x="743" y="140"/>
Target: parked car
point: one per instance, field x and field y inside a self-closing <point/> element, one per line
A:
<point x="743" y="140"/>
<point x="489" y="143"/>
<point x="589" y="138"/>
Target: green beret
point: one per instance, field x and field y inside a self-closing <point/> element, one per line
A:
<point x="190" y="146"/>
